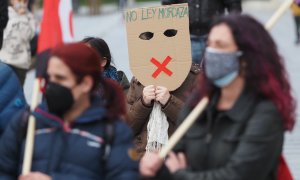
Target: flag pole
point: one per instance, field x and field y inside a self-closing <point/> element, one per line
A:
<point x="54" y="30"/>
<point x="187" y="123"/>
<point x="31" y="129"/>
<point x="283" y="8"/>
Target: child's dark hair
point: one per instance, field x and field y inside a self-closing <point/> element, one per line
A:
<point x="101" y="47"/>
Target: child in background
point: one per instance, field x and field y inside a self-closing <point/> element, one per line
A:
<point x="17" y="35"/>
<point x="109" y="71"/>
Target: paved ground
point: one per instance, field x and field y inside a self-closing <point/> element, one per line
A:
<point x="110" y="26"/>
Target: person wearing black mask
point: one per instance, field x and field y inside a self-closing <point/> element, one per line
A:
<point x="3" y="18"/>
<point x="71" y="136"/>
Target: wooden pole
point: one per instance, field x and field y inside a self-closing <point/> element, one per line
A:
<point x="283" y="8"/>
<point x="186" y="124"/>
<point x="31" y="130"/>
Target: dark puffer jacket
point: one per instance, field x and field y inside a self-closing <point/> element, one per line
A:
<point x="71" y="153"/>
<point x="202" y="12"/>
<point x="11" y="95"/>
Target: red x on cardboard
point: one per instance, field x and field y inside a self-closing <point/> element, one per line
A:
<point x="161" y="67"/>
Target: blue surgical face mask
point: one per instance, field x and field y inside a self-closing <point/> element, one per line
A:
<point x="221" y="68"/>
<point x="226" y="80"/>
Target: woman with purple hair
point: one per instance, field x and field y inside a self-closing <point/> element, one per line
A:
<point x="239" y="136"/>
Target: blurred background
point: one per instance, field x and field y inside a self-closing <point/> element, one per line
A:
<point x="104" y="18"/>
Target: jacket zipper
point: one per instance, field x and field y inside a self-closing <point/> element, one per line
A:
<point x="209" y="136"/>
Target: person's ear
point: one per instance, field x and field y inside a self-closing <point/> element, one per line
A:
<point x="87" y="84"/>
<point x="103" y="61"/>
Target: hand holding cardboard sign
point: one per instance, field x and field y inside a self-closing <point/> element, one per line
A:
<point x="162" y="95"/>
<point x="148" y="94"/>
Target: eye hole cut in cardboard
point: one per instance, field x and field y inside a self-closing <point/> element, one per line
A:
<point x="149" y="35"/>
<point x="170" y="32"/>
<point x="146" y="35"/>
<point x="159" y="46"/>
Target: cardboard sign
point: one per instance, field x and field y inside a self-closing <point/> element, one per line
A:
<point x="159" y="44"/>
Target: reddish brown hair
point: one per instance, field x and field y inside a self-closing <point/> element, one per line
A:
<point x="84" y="61"/>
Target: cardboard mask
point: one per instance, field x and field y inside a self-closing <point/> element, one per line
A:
<point x="159" y="44"/>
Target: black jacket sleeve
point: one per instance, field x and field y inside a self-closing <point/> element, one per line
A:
<point x="233" y="6"/>
<point x="169" y="2"/>
<point x="3" y="18"/>
<point x="3" y="14"/>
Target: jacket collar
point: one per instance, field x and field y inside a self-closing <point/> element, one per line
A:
<point x="242" y="108"/>
<point x="195" y="68"/>
<point x="96" y="112"/>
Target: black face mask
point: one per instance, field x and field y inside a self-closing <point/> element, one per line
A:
<point x="59" y="99"/>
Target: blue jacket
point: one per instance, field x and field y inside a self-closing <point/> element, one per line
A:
<point x="71" y="153"/>
<point x="11" y="95"/>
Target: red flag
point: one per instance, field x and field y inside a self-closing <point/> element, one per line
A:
<point x="284" y="172"/>
<point x="56" y="25"/>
